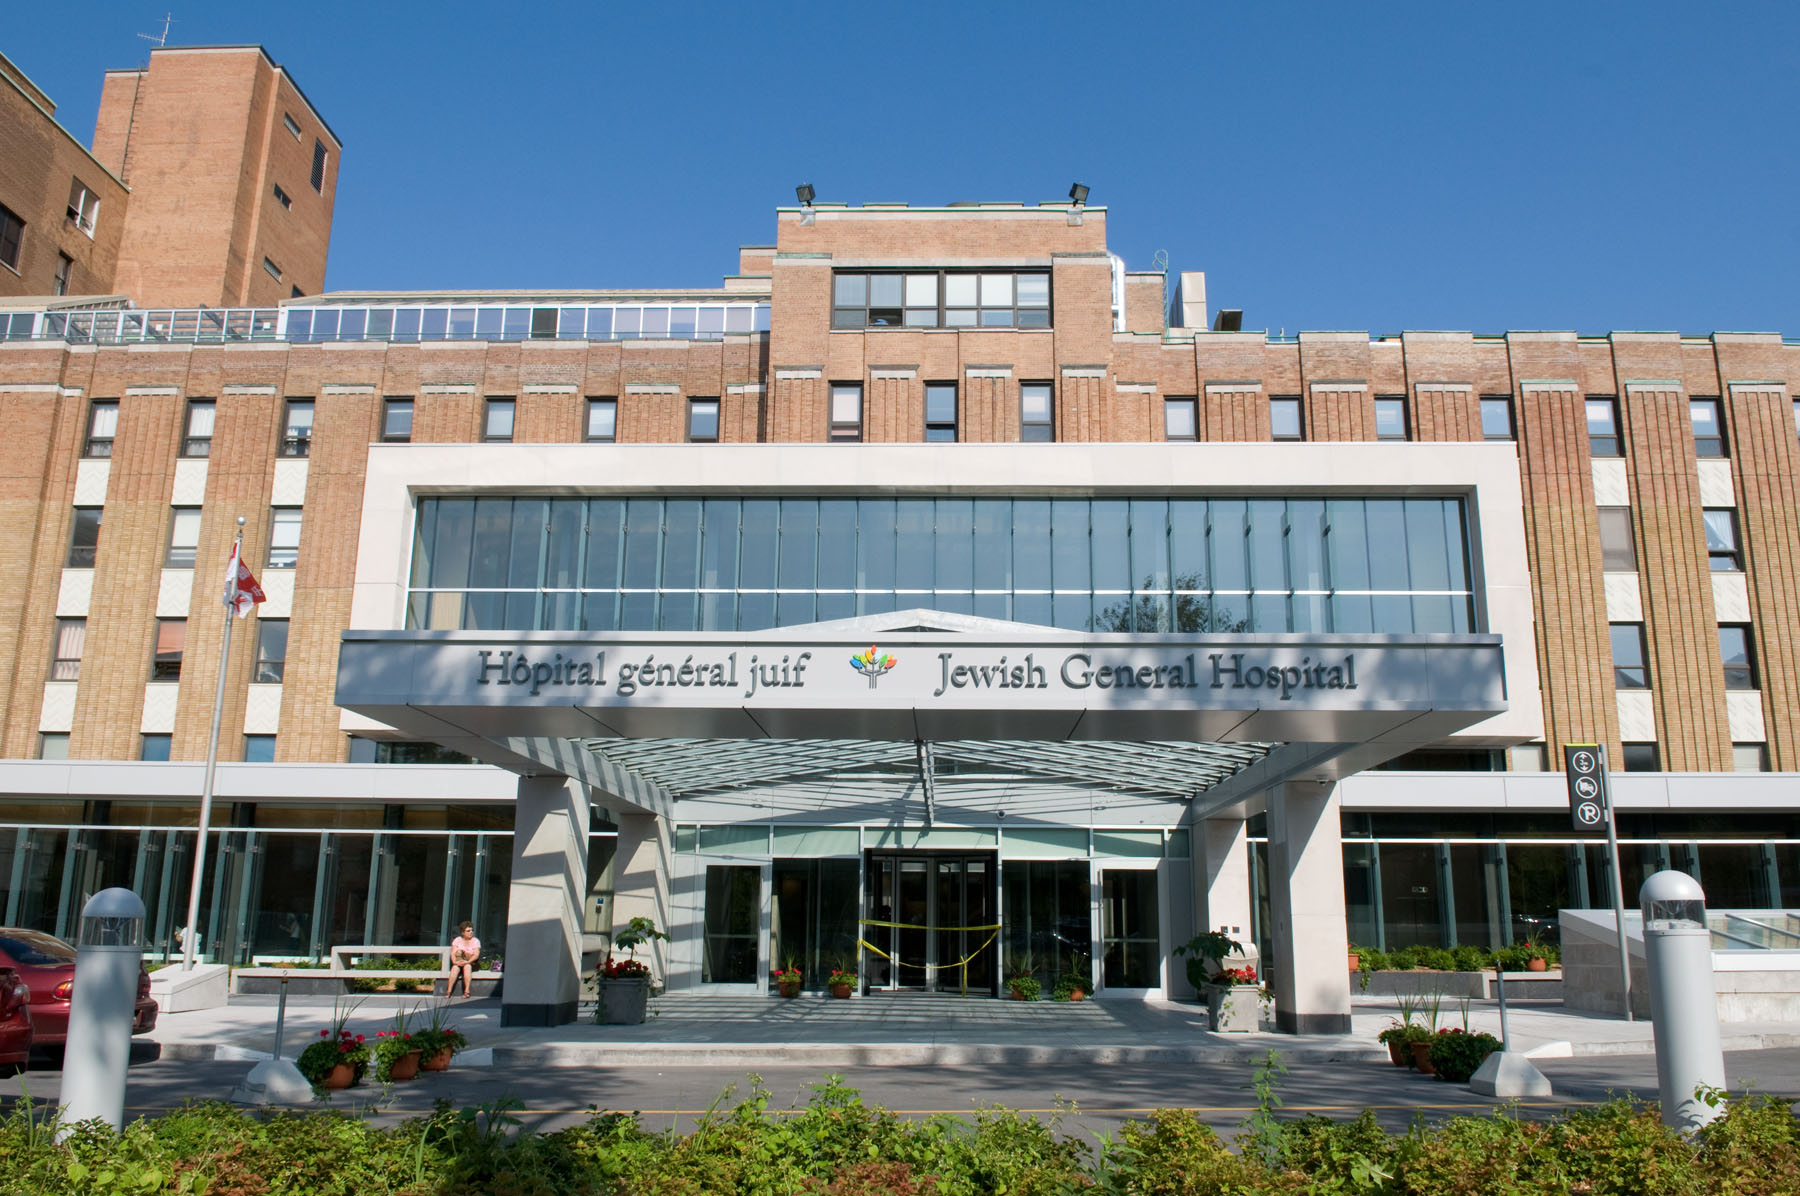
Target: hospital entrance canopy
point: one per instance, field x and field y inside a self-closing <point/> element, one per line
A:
<point x="1209" y="720"/>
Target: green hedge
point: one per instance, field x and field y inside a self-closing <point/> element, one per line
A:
<point x="838" y="1146"/>
<point x="1454" y="959"/>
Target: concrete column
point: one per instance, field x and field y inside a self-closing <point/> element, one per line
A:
<point x="1306" y="898"/>
<point x="543" y="920"/>
<point x="1223" y="879"/>
<point x="641" y="872"/>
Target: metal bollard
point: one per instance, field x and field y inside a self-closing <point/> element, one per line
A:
<point x="1684" y="1004"/>
<point x="109" y="954"/>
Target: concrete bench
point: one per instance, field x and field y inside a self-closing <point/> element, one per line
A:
<point x="341" y="956"/>
<point x="333" y="981"/>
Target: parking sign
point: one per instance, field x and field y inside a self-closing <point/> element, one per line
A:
<point x="1585" y="766"/>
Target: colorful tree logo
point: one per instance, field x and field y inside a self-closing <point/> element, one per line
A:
<point x="872" y="664"/>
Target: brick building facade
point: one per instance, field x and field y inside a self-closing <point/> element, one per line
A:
<point x="1628" y="526"/>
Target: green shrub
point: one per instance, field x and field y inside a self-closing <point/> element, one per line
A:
<point x="835" y="1145"/>
<point x="1026" y="988"/>
<point x="1438" y="959"/>
<point x="1455" y="1055"/>
<point x="1470" y="959"/>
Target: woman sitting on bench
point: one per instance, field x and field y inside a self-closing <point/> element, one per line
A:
<point x="465" y="952"/>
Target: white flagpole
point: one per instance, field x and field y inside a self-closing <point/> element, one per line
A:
<point x="212" y="759"/>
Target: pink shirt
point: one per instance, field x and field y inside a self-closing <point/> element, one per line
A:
<point x="469" y="947"/>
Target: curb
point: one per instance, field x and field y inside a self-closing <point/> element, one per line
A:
<point x="901" y="1054"/>
<point x="639" y="1055"/>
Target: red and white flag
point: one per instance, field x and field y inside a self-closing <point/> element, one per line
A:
<point x="241" y="590"/>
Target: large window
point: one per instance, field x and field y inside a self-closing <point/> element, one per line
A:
<point x="1036" y="413"/>
<point x="284" y="537"/>
<point x="171" y="638"/>
<point x="201" y="415"/>
<point x="1496" y="417"/>
<point x="65" y="662"/>
<point x="1180" y="418"/>
<point x="103" y="426"/>
<point x="1709" y="432"/>
<point x="271" y="650"/>
<point x="12" y="235"/>
<point x="84" y="206"/>
<point x="318" y="167"/>
<point x="1618" y="548"/>
<point x="296" y="436"/>
<point x="1737" y="655"/>
<point x="603" y="419"/>
<point x="1390" y="418"/>
<point x="184" y="538"/>
<point x="1117" y="564"/>
<point x="1603" y="426"/>
<point x="703" y="420"/>
<point x="84" y="537"/>
<point x="1722" y="552"/>
<point x="941" y="299"/>
<point x="65" y="269"/>
<point x="1629" y="668"/>
<point x="497" y="424"/>
<point x="846" y="412"/>
<point x="940" y="411"/>
<point x="154" y="747"/>
<point x="397" y="420"/>
<point x="1284" y="418"/>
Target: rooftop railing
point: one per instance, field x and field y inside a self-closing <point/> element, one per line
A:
<point x="390" y="323"/>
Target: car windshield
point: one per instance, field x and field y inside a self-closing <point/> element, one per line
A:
<point x="36" y="950"/>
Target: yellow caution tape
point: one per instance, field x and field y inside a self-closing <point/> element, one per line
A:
<point x="916" y="926"/>
<point x="962" y="963"/>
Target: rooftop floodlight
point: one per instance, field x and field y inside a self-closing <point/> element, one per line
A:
<point x="804" y="193"/>
<point x="1077" y="201"/>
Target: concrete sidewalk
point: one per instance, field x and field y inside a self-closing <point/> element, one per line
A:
<point x="903" y="1030"/>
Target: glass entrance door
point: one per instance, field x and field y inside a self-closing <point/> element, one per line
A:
<point x="933" y="918"/>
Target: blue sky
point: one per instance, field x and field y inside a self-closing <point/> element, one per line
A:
<point x="1594" y="166"/>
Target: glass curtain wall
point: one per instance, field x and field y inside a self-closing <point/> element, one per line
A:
<point x="1049" y="917"/>
<point x="733" y="924"/>
<point x="272" y="895"/>
<point x="1113" y="565"/>
<point x="813" y="917"/>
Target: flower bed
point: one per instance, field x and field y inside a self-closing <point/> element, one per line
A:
<point x="839" y="1146"/>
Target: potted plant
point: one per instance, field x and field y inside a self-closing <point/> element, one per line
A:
<point x="1025" y="987"/>
<point x="787" y="979"/>
<point x="623" y="985"/>
<point x="1207" y="953"/>
<point x="1420" y="1045"/>
<point x="396" y="1054"/>
<point x="1535" y="960"/>
<point x="396" y="1057"/>
<point x="1355" y="957"/>
<point x="439" y="1040"/>
<point x="841" y="981"/>
<point x="1456" y="1054"/>
<point x="335" y="1061"/>
<point x="1071" y="986"/>
<point x="1233" y="1000"/>
<point x="1396" y="1038"/>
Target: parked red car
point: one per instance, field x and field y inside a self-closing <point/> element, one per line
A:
<point x="15" y="1020"/>
<point x="47" y="965"/>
